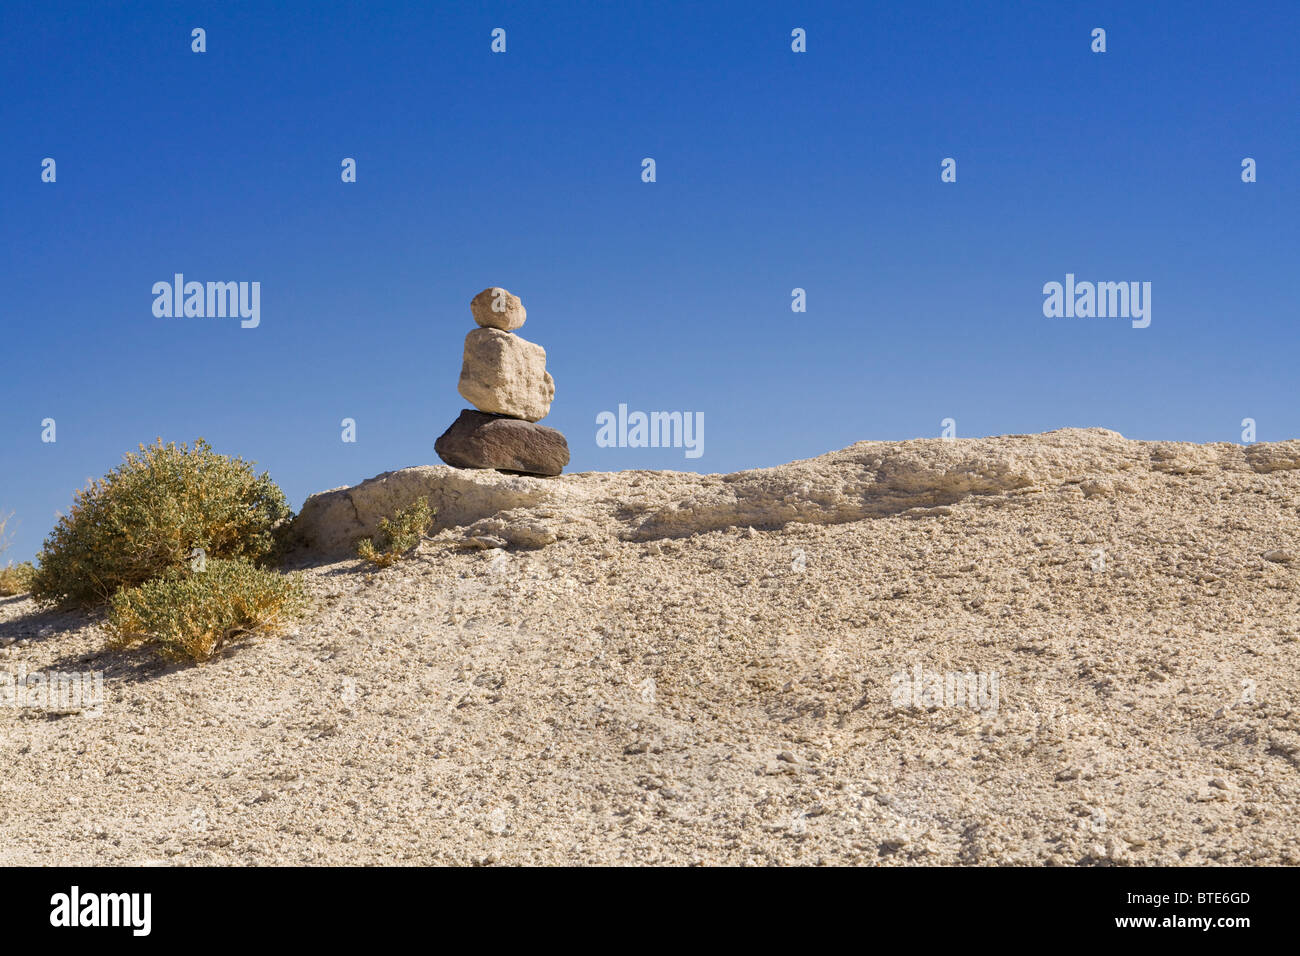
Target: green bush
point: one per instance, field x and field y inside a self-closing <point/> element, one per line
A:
<point x="148" y="515"/>
<point x="190" y="615"/>
<point x="398" y="536"/>
<point x="16" y="579"/>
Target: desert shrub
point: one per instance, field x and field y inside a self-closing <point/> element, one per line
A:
<point x="397" y="536"/>
<point x="147" y="515"/>
<point x="190" y="615"/>
<point x="16" y="579"/>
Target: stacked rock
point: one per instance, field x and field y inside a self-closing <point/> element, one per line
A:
<point x="505" y="378"/>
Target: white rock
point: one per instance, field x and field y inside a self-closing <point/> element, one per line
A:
<point x="332" y="522"/>
<point x="496" y="308"/>
<point x="506" y="375"/>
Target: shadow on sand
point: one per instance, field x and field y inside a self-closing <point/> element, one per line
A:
<point x="39" y="625"/>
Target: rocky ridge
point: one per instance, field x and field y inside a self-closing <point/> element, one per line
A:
<point x="869" y="478"/>
<point x="667" y="668"/>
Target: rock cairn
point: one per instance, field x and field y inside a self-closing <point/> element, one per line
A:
<point x="505" y="378"/>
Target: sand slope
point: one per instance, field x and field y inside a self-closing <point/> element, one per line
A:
<point x="673" y="668"/>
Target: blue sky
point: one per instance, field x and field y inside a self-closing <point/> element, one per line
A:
<point x="775" y="170"/>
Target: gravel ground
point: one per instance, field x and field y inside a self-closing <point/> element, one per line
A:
<point x="734" y="695"/>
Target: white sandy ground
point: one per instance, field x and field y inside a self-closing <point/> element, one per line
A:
<point x="634" y="693"/>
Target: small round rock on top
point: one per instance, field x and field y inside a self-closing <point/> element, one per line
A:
<point x="496" y="308"/>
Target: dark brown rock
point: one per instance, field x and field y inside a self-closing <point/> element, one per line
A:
<point x="480" y="440"/>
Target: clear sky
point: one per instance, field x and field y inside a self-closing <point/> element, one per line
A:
<point x="775" y="170"/>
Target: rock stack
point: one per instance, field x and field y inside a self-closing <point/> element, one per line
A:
<point x="505" y="378"/>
